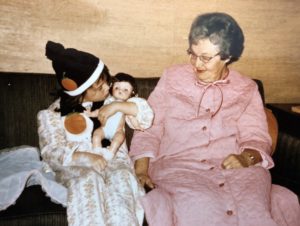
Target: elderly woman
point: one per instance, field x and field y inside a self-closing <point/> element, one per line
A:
<point x="207" y="153"/>
<point x="100" y="191"/>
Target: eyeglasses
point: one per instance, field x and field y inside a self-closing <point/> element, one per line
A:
<point x="203" y="59"/>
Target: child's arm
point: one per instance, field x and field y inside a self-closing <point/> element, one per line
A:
<point x="92" y="114"/>
<point x="57" y="150"/>
<point x="127" y="108"/>
<point x="135" y="107"/>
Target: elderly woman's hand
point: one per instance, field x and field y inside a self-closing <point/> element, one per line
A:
<point x="145" y="180"/>
<point x="247" y="158"/>
<point x="141" y="171"/>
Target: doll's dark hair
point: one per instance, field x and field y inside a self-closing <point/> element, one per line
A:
<point x="123" y="77"/>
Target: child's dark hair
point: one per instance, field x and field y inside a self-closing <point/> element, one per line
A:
<point x="123" y="77"/>
<point x="71" y="104"/>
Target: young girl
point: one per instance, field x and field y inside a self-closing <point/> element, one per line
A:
<point x="123" y="88"/>
<point x="99" y="192"/>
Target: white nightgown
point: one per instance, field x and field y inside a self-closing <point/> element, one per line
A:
<point x="109" y="198"/>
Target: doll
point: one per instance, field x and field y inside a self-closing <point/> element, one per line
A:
<point x="123" y="88"/>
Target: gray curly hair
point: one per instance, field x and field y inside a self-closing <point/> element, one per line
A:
<point x="222" y="30"/>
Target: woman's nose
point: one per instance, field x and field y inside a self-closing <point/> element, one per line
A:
<point x="199" y="63"/>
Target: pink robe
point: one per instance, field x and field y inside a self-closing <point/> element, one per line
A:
<point x="195" y="127"/>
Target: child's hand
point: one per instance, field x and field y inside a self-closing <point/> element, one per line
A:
<point x="88" y="159"/>
<point x="98" y="163"/>
<point x="106" y="111"/>
<point x="92" y="114"/>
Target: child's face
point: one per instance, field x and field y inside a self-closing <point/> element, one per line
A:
<point x="122" y="90"/>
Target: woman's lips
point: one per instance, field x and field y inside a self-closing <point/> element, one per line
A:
<point x="197" y="70"/>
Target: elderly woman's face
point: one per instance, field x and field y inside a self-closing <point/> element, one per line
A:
<point x="206" y="61"/>
<point x="97" y="92"/>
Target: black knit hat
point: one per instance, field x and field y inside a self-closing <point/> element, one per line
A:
<point x="75" y="70"/>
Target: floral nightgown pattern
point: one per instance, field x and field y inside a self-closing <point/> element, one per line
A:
<point x="109" y="198"/>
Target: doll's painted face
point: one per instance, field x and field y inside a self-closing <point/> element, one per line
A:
<point x="122" y="90"/>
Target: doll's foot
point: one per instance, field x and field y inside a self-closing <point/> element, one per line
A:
<point x="108" y="155"/>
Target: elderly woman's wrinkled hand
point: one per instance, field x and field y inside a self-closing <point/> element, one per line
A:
<point x="235" y="161"/>
<point x="145" y="180"/>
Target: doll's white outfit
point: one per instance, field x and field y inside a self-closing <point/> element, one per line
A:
<point x="113" y="121"/>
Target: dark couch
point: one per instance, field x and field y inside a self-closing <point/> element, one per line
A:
<point x="22" y="95"/>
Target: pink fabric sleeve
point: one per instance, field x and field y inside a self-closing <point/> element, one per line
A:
<point x="253" y="129"/>
<point x="146" y="144"/>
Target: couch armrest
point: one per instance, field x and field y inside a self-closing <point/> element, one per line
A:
<point x="287" y="153"/>
<point x="273" y="128"/>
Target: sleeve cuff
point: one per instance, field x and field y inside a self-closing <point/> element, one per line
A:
<point x="144" y="155"/>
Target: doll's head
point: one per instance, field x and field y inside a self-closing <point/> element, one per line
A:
<point x="123" y="86"/>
